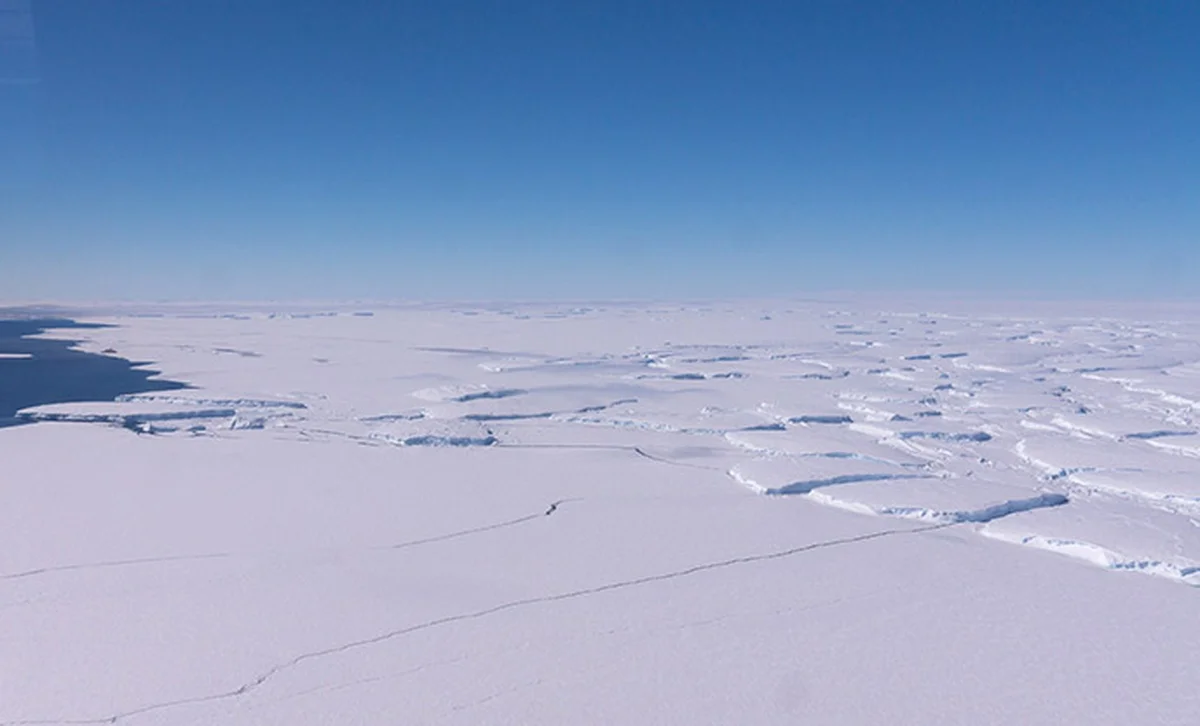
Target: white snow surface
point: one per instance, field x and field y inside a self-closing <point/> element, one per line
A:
<point x="808" y="513"/>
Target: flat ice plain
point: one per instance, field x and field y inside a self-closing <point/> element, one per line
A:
<point x="809" y="513"/>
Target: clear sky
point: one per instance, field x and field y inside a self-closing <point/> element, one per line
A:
<point x="623" y="148"/>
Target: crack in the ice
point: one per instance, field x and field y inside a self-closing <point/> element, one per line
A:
<point x="551" y="509"/>
<point x="663" y="460"/>
<point x="270" y="673"/>
<point x="479" y="530"/>
<point x="1101" y="556"/>
<point x="613" y="447"/>
<point x="325" y="688"/>
<point x="112" y="563"/>
<point x="807" y="486"/>
<point x="983" y="515"/>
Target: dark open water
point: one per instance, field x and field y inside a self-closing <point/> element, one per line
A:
<point x="58" y="374"/>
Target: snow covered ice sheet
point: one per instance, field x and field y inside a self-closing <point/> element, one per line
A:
<point x="662" y="514"/>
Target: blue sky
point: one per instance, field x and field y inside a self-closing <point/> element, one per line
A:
<point x="626" y="148"/>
